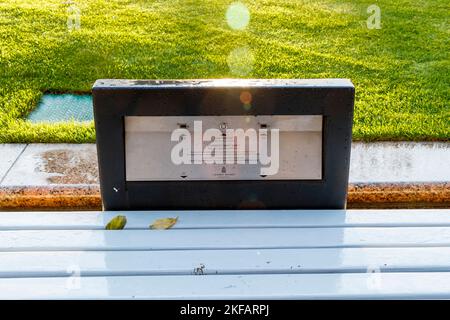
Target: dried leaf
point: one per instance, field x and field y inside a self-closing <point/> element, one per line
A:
<point x="165" y="223"/>
<point x="117" y="223"/>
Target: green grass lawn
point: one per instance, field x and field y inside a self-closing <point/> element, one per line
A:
<point x="401" y="71"/>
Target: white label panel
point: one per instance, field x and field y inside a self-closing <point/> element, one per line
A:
<point x="148" y="148"/>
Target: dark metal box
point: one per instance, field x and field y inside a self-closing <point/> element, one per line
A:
<point x="116" y="102"/>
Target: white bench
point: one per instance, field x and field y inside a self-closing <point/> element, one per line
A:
<point x="296" y="254"/>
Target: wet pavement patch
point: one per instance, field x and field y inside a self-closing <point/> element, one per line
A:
<point x="66" y="166"/>
<point x="63" y="108"/>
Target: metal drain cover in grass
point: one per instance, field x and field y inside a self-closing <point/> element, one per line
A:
<point x="63" y="107"/>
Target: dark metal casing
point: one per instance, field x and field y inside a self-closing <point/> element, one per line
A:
<point x="115" y="99"/>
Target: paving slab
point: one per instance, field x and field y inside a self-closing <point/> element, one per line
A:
<point x="380" y="162"/>
<point x="54" y="164"/>
<point x="400" y="162"/>
<point x="9" y="153"/>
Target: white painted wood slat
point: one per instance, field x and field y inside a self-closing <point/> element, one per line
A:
<point x="432" y="285"/>
<point x="228" y="219"/>
<point x="189" y="239"/>
<point x="288" y="254"/>
<point x="267" y="261"/>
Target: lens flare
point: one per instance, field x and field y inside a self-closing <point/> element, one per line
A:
<point x="240" y="61"/>
<point x="247" y="106"/>
<point x="246" y="99"/>
<point x="238" y="16"/>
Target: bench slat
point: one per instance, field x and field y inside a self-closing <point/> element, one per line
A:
<point x="349" y="260"/>
<point x="228" y="219"/>
<point x="434" y="285"/>
<point x="189" y="239"/>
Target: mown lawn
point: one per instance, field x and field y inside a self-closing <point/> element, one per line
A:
<point x="401" y="71"/>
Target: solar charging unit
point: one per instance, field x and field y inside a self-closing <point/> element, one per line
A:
<point x="223" y="144"/>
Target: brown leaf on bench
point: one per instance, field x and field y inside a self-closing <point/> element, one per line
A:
<point x="164" y="223"/>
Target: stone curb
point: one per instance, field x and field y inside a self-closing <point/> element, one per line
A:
<point x="359" y="196"/>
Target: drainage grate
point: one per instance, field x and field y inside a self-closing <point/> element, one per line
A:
<point x="63" y="107"/>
